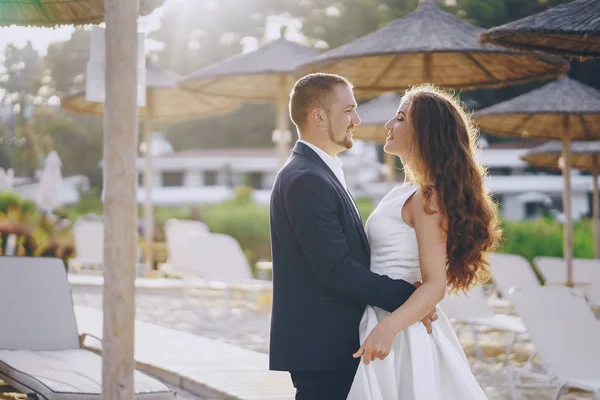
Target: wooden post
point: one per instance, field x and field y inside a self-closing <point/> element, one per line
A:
<point x="596" y="207"/>
<point x="148" y="205"/>
<point x="427" y="68"/>
<point x="568" y="227"/>
<point x="120" y="208"/>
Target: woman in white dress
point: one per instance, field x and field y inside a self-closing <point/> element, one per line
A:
<point x="436" y="228"/>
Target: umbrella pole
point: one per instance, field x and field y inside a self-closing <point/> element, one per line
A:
<point x="596" y="207"/>
<point x="282" y="138"/>
<point x="120" y="208"/>
<point x="427" y="68"/>
<point x="148" y="209"/>
<point x="568" y="228"/>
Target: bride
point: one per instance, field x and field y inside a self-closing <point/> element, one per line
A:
<point x="436" y="228"/>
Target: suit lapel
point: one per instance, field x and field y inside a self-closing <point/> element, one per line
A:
<point x="302" y="149"/>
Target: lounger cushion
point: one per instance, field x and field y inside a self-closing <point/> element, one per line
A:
<point x="68" y="374"/>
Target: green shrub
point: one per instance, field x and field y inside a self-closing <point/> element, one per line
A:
<point x="365" y="207"/>
<point x="544" y="237"/>
<point x="89" y="203"/>
<point x="244" y="220"/>
<point x="12" y="201"/>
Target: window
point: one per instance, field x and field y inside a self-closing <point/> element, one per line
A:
<point x="210" y="178"/>
<point x="172" y="179"/>
<point x="254" y="180"/>
<point x="499" y="171"/>
<point x="532" y="210"/>
<point x="544" y="171"/>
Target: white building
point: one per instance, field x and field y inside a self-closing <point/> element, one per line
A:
<point x="70" y="193"/>
<point x="525" y="191"/>
<point x="208" y="176"/>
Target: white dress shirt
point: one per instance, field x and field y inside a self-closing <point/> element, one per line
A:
<point x="335" y="165"/>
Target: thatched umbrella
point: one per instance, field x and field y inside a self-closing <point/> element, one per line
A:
<point x="165" y="101"/>
<point x="373" y="116"/>
<point x="584" y="156"/>
<point x="120" y="129"/>
<point x="430" y="45"/>
<point x="571" y="30"/>
<point x="265" y="74"/>
<point x="64" y="12"/>
<point x="564" y="109"/>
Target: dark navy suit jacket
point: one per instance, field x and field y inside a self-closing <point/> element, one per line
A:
<point x="321" y="276"/>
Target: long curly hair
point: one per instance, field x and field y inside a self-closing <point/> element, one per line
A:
<point x="443" y="159"/>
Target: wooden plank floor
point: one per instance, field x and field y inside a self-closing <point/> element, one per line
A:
<point x="205" y="367"/>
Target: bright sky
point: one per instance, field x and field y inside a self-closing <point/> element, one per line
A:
<point x="42" y="37"/>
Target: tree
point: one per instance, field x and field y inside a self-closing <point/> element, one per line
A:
<point x="66" y="63"/>
<point x="490" y="13"/>
<point x="21" y="83"/>
<point x="4" y="149"/>
<point x="20" y="68"/>
<point x="77" y="140"/>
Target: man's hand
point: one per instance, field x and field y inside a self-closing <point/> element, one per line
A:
<point x="429" y="318"/>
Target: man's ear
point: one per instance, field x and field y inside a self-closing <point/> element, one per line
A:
<point x="317" y="115"/>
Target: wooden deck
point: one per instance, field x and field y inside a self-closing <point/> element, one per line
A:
<point x="205" y="367"/>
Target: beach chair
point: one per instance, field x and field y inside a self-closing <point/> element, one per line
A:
<point x="586" y="275"/>
<point x="473" y="310"/>
<point x="88" y="236"/>
<point x="510" y="270"/>
<point x="40" y="348"/>
<point x="176" y="234"/>
<point x="216" y="261"/>
<point x="565" y="334"/>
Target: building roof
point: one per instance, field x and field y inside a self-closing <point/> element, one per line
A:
<point x="223" y="152"/>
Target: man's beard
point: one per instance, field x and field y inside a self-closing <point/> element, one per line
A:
<point x="346" y="143"/>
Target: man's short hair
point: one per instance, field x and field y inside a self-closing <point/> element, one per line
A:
<point x="311" y="91"/>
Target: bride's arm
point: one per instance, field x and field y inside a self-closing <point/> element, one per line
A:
<point x="431" y="238"/>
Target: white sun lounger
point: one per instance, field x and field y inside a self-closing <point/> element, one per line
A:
<point x="40" y="349"/>
<point x="474" y="311"/>
<point x="586" y="275"/>
<point x="565" y="334"/>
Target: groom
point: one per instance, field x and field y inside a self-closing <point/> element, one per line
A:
<point x="321" y="257"/>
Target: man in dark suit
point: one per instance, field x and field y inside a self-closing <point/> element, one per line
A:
<point x="321" y="257"/>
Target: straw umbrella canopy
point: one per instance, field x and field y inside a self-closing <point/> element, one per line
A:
<point x="165" y="101"/>
<point x="571" y="30"/>
<point x="119" y="151"/>
<point x="65" y="12"/>
<point x="430" y="45"/>
<point x="376" y="112"/>
<point x="265" y="74"/>
<point x="373" y="116"/>
<point x="564" y="109"/>
<point x="584" y="156"/>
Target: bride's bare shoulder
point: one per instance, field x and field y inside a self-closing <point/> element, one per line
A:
<point x="426" y="204"/>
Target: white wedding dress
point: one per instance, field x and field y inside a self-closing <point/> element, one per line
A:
<point x="421" y="366"/>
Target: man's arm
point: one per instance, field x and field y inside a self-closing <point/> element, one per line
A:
<point x="311" y="205"/>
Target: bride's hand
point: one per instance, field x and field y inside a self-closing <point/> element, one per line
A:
<point x="378" y="344"/>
